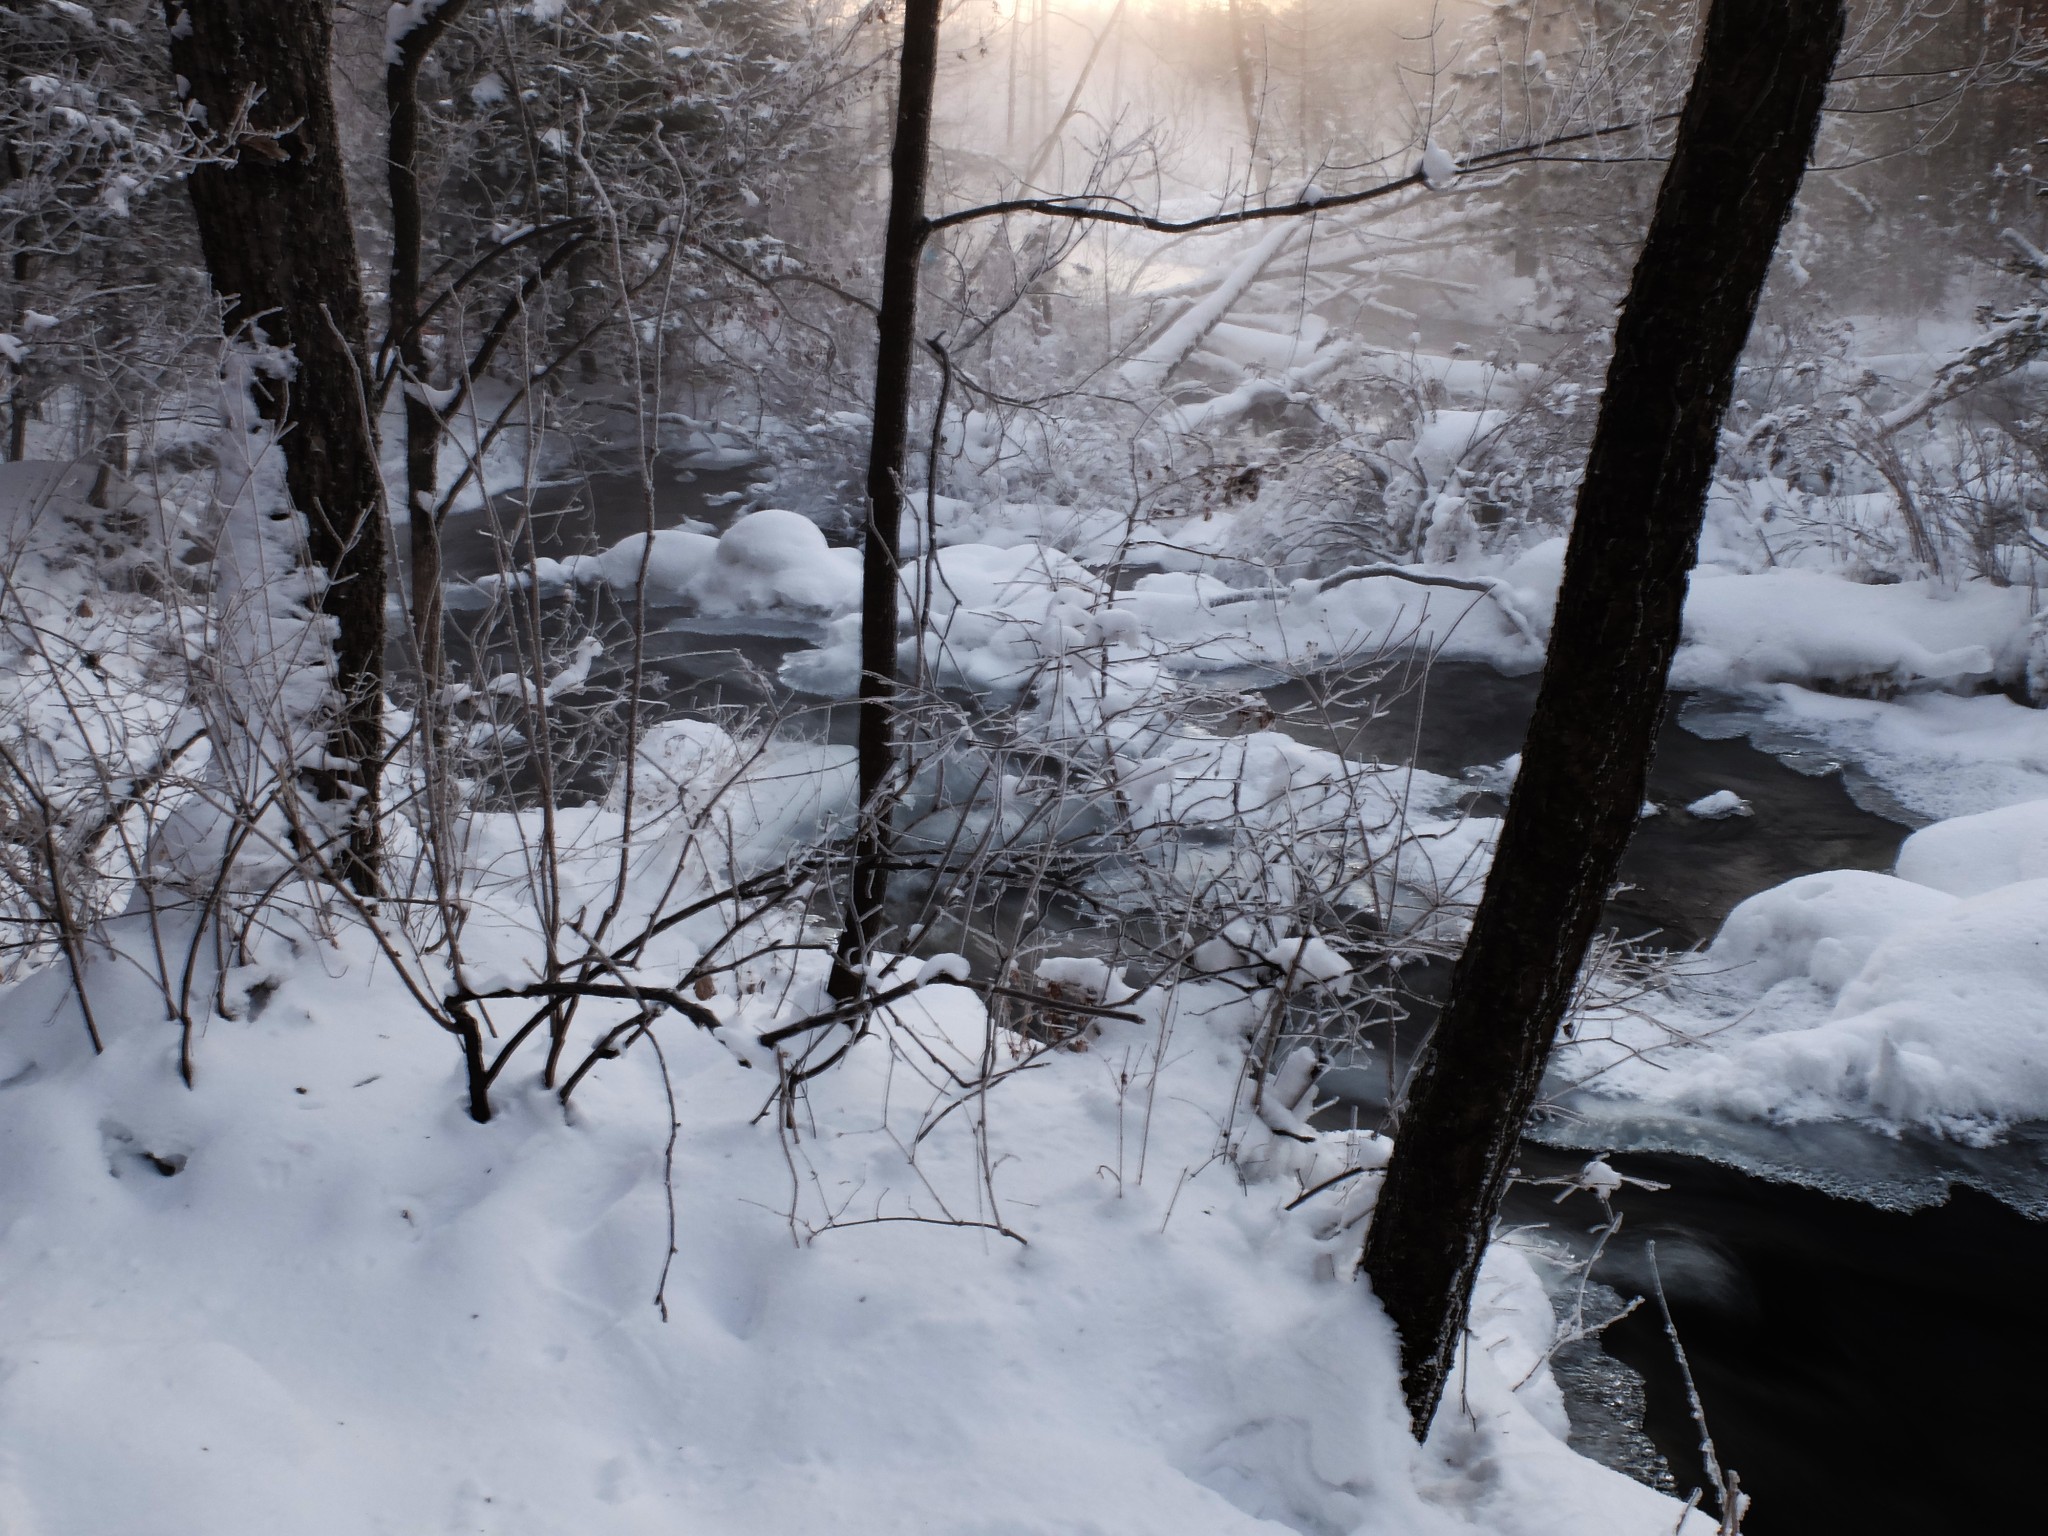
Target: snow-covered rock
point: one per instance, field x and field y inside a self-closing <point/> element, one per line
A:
<point x="1719" y="806"/>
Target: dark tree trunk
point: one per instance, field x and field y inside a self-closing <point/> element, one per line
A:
<point x="280" y="246"/>
<point x="22" y="396"/>
<point x="21" y="268"/>
<point x="1743" y="141"/>
<point x="897" y="327"/>
<point x="423" y="426"/>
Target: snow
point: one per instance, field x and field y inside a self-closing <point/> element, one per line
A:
<point x="1901" y="663"/>
<point x="1093" y="980"/>
<point x="1439" y="168"/>
<point x="948" y="967"/>
<point x="769" y="563"/>
<point x="1251" y="347"/>
<point x="1902" y="1001"/>
<point x="401" y="20"/>
<point x="1153" y="363"/>
<point x="675" y="560"/>
<point x="1821" y="926"/>
<point x="349" y="1309"/>
<point x="1599" y="1178"/>
<point x="1719" y="806"/>
<point x="1917" y="757"/>
<point x="1000" y="610"/>
<point x="500" y="461"/>
<point x="1307" y="958"/>
<point x="1806" y="626"/>
<point x="1969" y="855"/>
<point x="997" y="614"/>
<point x="319" y="1298"/>
<point x="774" y="558"/>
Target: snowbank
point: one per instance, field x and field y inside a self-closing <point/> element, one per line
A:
<point x="1969" y="855"/>
<point x="307" y="1295"/>
<point x="1092" y="532"/>
<point x="1006" y="570"/>
<point x="1918" y="757"/>
<point x="1804" y="626"/>
<point x="1820" y="926"/>
<point x="1915" y="1000"/>
<point x="997" y="615"/>
<point x="769" y="562"/>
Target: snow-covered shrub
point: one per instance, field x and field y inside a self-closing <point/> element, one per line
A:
<point x="102" y="293"/>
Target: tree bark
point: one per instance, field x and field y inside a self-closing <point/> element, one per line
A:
<point x="1743" y="141"/>
<point x="423" y="425"/>
<point x="280" y="246"/>
<point x="895" y="352"/>
<point x="21" y="398"/>
<point x="20" y="267"/>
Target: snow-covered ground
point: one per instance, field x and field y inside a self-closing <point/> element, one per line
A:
<point x="309" y="1294"/>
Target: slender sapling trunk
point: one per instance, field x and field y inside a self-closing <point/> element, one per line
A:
<point x="895" y="353"/>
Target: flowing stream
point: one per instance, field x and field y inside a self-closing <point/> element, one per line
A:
<point x="1861" y="1317"/>
<point x="1861" y="1314"/>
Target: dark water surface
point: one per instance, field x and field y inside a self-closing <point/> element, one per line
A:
<point x="1684" y="874"/>
<point x="1864" y="1369"/>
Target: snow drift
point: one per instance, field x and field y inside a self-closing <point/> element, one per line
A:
<point x="1911" y="1000"/>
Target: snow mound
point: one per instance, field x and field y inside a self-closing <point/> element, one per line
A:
<point x="1918" y="1000"/>
<point x="947" y="967"/>
<point x="1804" y="626"/>
<point x="1005" y="566"/>
<point x="1969" y="855"/>
<point x="773" y="559"/>
<point x="675" y="559"/>
<point x="1719" y="806"/>
<point x="715" y="801"/>
<point x="998" y="615"/>
<point x="1821" y="926"/>
<point x="770" y="562"/>
<point x="1944" y="1026"/>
